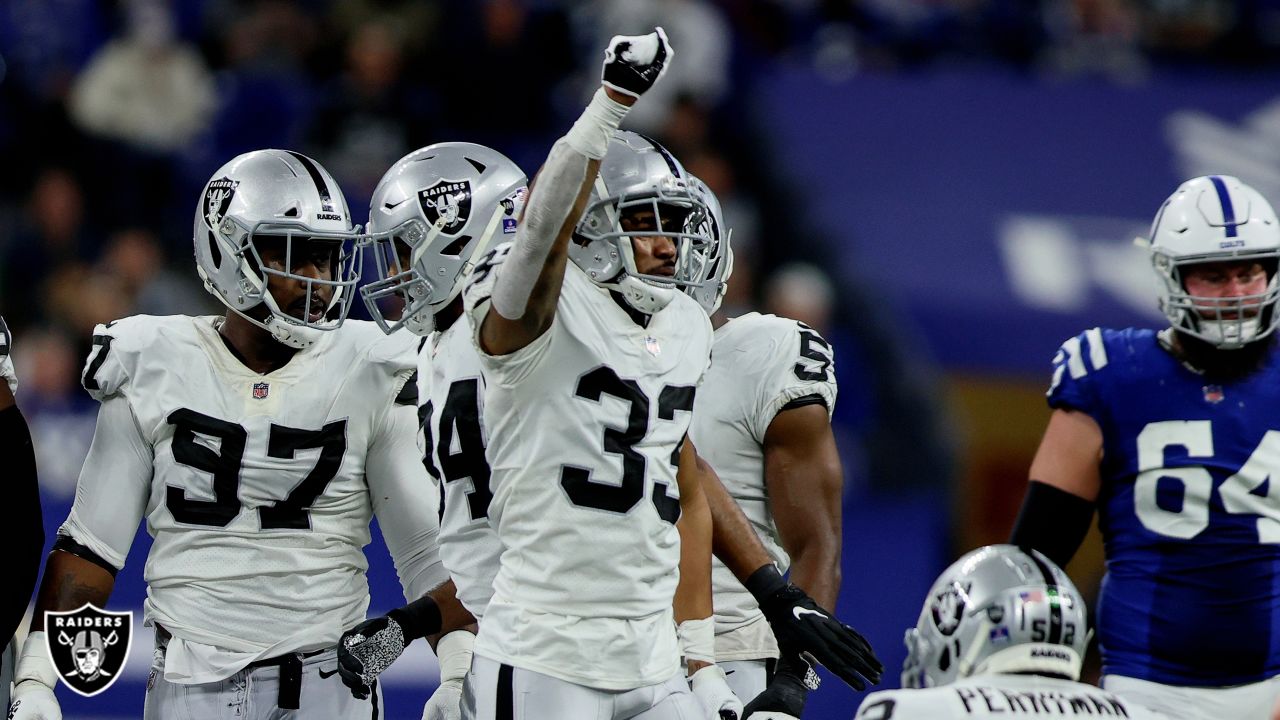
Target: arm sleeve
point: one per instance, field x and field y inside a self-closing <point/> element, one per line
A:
<point x="115" y="482"/>
<point x="23" y="523"/>
<point x="406" y="502"/>
<point x="512" y="368"/>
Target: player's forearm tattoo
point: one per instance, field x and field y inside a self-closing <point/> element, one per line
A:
<point x="72" y="593"/>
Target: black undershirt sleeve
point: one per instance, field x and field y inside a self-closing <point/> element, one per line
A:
<point x="22" y="521"/>
<point x="1052" y="521"/>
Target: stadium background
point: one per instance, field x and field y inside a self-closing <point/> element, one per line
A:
<point x="946" y="188"/>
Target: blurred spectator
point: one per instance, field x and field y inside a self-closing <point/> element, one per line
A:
<point x="53" y="235"/>
<point x="134" y="257"/>
<point x="44" y="42"/>
<point x="77" y="297"/>
<point x="371" y="115"/>
<point x="1097" y="37"/>
<point x="60" y="414"/>
<point x="145" y="88"/>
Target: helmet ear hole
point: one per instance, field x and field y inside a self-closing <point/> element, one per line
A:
<point x="944" y="660"/>
<point x="215" y="252"/>
<point x="454" y="249"/>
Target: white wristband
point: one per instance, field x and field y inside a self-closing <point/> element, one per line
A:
<point x="698" y="640"/>
<point x="454" y="653"/>
<point x="35" y="663"/>
<point x="591" y="133"/>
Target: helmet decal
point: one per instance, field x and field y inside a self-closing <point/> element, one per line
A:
<point x="447" y="204"/>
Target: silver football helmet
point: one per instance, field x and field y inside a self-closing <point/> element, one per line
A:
<point x="1216" y="218"/>
<point x="639" y="176"/>
<point x="283" y="196"/>
<point x="435" y="211"/>
<point x="998" y="609"/>
<point x="710" y="292"/>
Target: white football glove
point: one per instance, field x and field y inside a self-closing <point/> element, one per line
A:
<point x="6" y="358"/>
<point x="454" y="653"/>
<point x="33" y="700"/>
<point x="633" y="63"/>
<point x="33" y="697"/>
<point x="712" y="690"/>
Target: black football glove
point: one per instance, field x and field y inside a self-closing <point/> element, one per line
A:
<point x="6" y="362"/>
<point x="801" y="625"/>
<point x="632" y="64"/>
<point x="786" y="693"/>
<point x="368" y="649"/>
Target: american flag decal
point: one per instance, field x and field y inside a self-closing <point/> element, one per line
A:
<point x="260" y="390"/>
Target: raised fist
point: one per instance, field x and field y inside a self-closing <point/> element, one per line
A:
<point x="633" y="63"/>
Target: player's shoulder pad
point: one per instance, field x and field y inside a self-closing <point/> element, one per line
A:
<point x="893" y="705"/>
<point x="1097" y="353"/>
<point x="393" y="358"/>
<point x="121" y="347"/>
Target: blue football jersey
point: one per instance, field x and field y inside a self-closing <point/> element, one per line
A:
<point x="1190" y="518"/>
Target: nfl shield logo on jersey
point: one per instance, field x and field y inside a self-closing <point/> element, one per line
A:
<point x="447" y="205"/>
<point x="260" y="390"/>
<point x="88" y="646"/>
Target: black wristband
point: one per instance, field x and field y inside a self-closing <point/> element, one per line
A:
<point x="1052" y="521"/>
<point x="764" y="582"/>
<point x="419" y="618"/>
<point x="68" y="544"/>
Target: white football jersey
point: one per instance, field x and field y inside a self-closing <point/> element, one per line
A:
<point x="258" y="489"/>
<point x="585" y="426"/>
<point x="451" y="390"/>
<point x="759" y="365"/>
<point x="1001" y="696"/>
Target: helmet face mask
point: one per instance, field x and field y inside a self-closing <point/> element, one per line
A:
<point x="282" y="200"/>
<point x="997" y="609"/>
<point x="1216" y="219"/>
<point x="435" y="211"/>
<point x="640" y="180"/>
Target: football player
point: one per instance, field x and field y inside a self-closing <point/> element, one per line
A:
<point x="1002" y="634"/>
<point x="598" y="360"/>
<point x="257" y="445"/>
<point x="762" y="419"/>
<point x="423" y="256"/>
<point x="23" y="522"/>
<point x="1172" y="436"/>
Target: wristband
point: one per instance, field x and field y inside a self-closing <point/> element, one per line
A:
<point x="419" y="618"/>
<point x="454" y="653"/>
<point x="697" y="640"/>
<point x="35" y="663"/>
<point x="764" y="582"/>
<point x="592" y="131"/>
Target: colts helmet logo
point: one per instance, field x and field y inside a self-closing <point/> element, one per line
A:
<point x="447" y="205"/>
<point x="948" y="608"/>
<point x="88" y="646"/>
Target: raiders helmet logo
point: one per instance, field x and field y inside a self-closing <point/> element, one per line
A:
<point x="447" y="205"/>
<point x="217" y="200"/>
<point x="948" y="608"/>
<point x="88" y="646"/>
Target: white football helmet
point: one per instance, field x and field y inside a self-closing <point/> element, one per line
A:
<point x="710" y="292"/>
<point x="286" y="196"/>
<point x="998" y="609"/>
<point x="435" y="211"/>
<point x="638" y="174"/>
<point x="1216" y="218"/>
